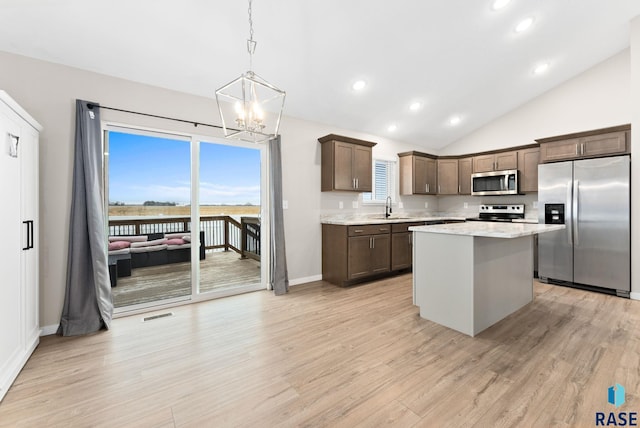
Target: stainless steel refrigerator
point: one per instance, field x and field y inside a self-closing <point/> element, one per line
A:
<point x="592" y="198"/>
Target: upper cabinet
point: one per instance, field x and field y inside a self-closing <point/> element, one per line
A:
<point x="447" y="176"/>
<point x="601" y="142"/>
<point x="495" y="162"/>
<point x="465" y="167"/>
<point x="346" y="164"/>
<point x="528" y="160"/>
<point x="418" y="173"/>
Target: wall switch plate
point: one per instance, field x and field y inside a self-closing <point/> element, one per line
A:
<point x="285" y="205"/>
<point x="341" y="205"/>
<point x="466" y="204"/>
<point x="535" y="204"/>
<point x="426" y="204"/>
<point x="400" y="205"/>
<point x="354" y="204"/>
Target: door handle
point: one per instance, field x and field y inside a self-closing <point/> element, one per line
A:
<point x="427" y="187"/>
<point x="26" y="223"/>
<point x="576" y="211"/>
<point x="569" y="215"/>
<point x="29" y="224"/>
<point x="373" y="242"/>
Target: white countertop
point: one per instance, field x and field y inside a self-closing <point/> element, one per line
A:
<point x="381" y="220"/>
<point x="489" y="229"/>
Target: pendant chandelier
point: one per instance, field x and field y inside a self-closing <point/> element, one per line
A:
<point x="249" y="106"/>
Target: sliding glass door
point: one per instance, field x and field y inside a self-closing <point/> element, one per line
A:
<point x="230" y="217"/>
<point x="152" y="181"/>
<point x="149" y="199"/>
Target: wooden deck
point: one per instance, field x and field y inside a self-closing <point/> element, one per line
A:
<point x="220" y="269"/>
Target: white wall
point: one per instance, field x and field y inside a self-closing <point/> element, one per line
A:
<point x="635" y="166"/>
<point x="597" y="98"/>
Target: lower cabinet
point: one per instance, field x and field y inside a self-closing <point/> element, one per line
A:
<point x="369" y="255"/>
<point x="352" y="254"/>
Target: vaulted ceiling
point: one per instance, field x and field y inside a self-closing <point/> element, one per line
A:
<point x="456" y="58"/>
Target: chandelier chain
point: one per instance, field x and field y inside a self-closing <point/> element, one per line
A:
<point x="251" y="45"/>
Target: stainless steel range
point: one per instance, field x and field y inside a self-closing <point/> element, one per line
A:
<point x="502" y="212"/>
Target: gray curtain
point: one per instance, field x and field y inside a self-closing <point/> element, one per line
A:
<point x="87" y="305"/>
<point x="279" y="275"/>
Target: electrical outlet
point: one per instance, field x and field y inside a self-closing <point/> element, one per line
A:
<point x="341" y="205"/>
<point x="426" y="204"/>
<point x="535" y="204"/>
<point x="466" y="204"/>
<point x="285" y="205"/>
<point x="354" y="204"/>
<point x="400" y="205"/>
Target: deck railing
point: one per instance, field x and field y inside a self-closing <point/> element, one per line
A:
<point x="250" y="237"/>
<point x="220" y="232"/>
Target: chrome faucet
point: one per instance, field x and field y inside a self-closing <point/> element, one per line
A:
<point x="387" y="207"/>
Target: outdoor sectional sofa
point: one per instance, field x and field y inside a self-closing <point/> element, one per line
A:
<point x="154" y="249"/>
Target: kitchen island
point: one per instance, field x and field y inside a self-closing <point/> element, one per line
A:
<point x="468" y="276"/>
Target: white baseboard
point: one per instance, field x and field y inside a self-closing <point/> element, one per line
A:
<point x="634" y="296"/>
<point x="48" y="330"/>
<point x="304" y="280"/>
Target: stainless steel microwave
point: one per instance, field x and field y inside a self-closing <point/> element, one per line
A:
<point x="495" y="183"/>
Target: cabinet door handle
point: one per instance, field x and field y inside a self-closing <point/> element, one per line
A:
<point x="358" y="231"/>
<point x="357" y="183"/>
<point x="438" y="188"/>
<point x="370" y="244"/>
<point x="373" y="242"/>
<point x="582" y="149"/>
<point x="383" y="229"/>
<point x="576" y="150"/>
<point x="459" y="189"/>
<point x="427" y="187"/>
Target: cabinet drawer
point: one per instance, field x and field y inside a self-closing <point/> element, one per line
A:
<point x="404" y="227"/>
<point x="369" y="229"/>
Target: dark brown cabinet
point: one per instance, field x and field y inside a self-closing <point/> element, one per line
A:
<point x="495" y="162"/>
<point x="447" y="176"/>
<point x="465" y="167"/>
<point x="603" y="142"/>
<point x="352" y="253"/>
<point x="402" y="245"/>
<point x="418" y="173"/>
<point x="528" y="160"/>
<point x="346" y="164"/>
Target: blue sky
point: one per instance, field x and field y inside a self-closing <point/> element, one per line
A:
<point x="143" y="168"/>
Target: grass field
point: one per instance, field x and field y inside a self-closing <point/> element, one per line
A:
<point x="205" y="210"/>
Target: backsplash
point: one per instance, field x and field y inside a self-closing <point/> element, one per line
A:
<point x="453" y="206"/>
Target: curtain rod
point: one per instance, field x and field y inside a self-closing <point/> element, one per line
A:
<point x="91" y="106"/>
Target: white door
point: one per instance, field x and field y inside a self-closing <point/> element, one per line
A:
<point x="30" y="227"/>
<point x="10" y="250"/>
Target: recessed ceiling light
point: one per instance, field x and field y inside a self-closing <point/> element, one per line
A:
<point x="524" y="24"/>
<point x="359" y="85"/>
<point x="392" y="128"/>
<point x="454" y="120"/>
<point x="499" y="4"/>
<point x="541" y="68"/>
<point x="415" y="106"/>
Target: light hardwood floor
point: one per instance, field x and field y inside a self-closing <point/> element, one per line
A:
<point x="328" y="356"/>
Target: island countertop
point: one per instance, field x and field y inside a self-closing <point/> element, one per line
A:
<point x="342" y="221"/>
<point x="489" y="229"/>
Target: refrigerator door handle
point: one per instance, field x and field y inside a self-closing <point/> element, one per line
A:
<point x="569" y="215"/>
<point x="576" y="208"/>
